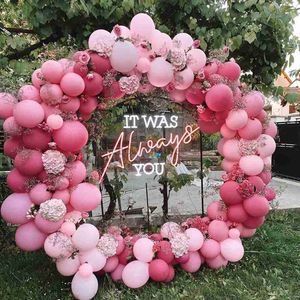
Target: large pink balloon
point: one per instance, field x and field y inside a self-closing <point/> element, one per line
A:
<point x="86" y="237"/>
<point x="219" y="97"/>
<point x="46" y="226"/>
<point x="227" y="132"/>
<point x="16" y="181"/>
<point x="85" y="197"/>
<point x="196" y="59"/>
<point x="51" y="94"/>
<point x="254" y="102"/>
<point x="236" y="213"/>
<point x="72" y="136"/>
<point x="195" y="239"/>
<point x="29" y="238"/>
<point x="266" y="146"/>
<point x="29" y="162"/>
<point x="183" y="79"/>
<point x="72" y="84"/>
<point x="251" y="164"/>
<point x="52" y="71"/>
<point x="142" y="27"/>
<point x="237" y="119"/>
<point x="161" y="43"/>
<point x="84" y="288"/>
<point x="158" y="270"/>
<point x="29" y="92"/>
<point x="99" y="38"/>
<point x="256" y="206"/>
<point x="135" y="274"/>
<point x="28" y="113"/>
<point x="7" y="104"/>
<point x="230" y="70"/>
<point x="124" y="56"/>
<point x="252" y="130"/>
<point x="143" y="249"/>
<point x="15" y="207"/>
<point x="193" y="264"/>
<point x="75" y="171"/>
<point x="218" y="230"/>
<point x="36" y="138"/>
<point x="216" y="211"/>
<point x="39" y="193"/>
<point x="231" y="150"/>
<point x="229" y="193"/>
<point x="210" y="248"/>
<point x="68" y="266"/>
<point x="93" y="257"/>
<point x="232" y="250"/>
<point x="160" y="73"/>
<point x="183" y="40"/>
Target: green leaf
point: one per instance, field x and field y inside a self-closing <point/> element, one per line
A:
<point x="250" y="37"/>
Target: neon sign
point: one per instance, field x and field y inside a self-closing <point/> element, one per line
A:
<point x="126" y="150"/>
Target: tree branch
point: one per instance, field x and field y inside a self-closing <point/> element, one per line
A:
<point x="19" y="30"/>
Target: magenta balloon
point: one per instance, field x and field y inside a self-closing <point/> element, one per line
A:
<point x="36" y="138"/>
<point x="94" y="258"/>
<point x="51" y="94"/>
<point x="88" y="106"/>
<point x="251" y="165"/>
<point x="99" y="38"/>
<point x="64" y="195"/>
<point x="116" y="275"/>
<point x="16" y="181"/>
<point x="29" y="92"/>
<point x="230" y="69"/>
<point x="52" y="71"/>
<point x="12" y="146"/>
<point x="254" y="103"/>
<point x="72" y="136"/>
<point x="237" y="119"/>
<point x="195" y="238"/>
<point x="39" y="193"/>
<point x="99" y="64"/>
<point x="124" y="56"/>
<point x="68" y="266"/>
<point x="271" y="129"/>
<point x="252" y="130"/>
<point x="256" y="206"/>
<point x="227" y="133"/>
<point x="257" y="182"/>
<point x="29" y="238"/>
<point x="183" y="40"/>
<point x="143" y="249"/>
<point x="93" y="84"/>
<point x="11" y="127"/>
<point x="177" y="95"/>
<point x="135" y="274"/>
<point x="193" y="264"/>
<point x="160" y="73"/>
<point x="266" y="146"/>
<point x="72" y="84"/>
<point x="236" y="213"/>
<point x="142" y="27"/>
<point x="219" y="97"/>
<point x="227" y="165"/>
<point x="165" y="253"/>
<point x="183" y="79"/>
<point x="158" y="270"/>
<point x="210" y="249"/>
<point x="217" y="262"/>
<point x="196" y="59"/>
<point x="229" y="193"/>
<point x="46" y="226"/>
<point x="85" y="197"/>
<point x="270" y="194"/>
<point x="55" y="121"/>
<point x="254" y="222"/>
<point x="29" y="162"/>
<point x="72" y="104"/>
<point x="216" y="210"/>
<point x="232" y="250"/>
<point x="231" y="150"/>
<point x="111" y="264"/>
<point x="194" y="95"/>
<point x="161" y="43"/>
<point x="37" y="78"/>
<point x="28" y="113"/>
<point x="15" y="207"/>
<point x="218" y="230"/>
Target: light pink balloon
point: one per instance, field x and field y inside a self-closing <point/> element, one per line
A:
<point x="227" y="165"/>
<point x="160" y="73"/>
<point x="58" y="245"/>
<point x="142" y="27"/>
<point x="168" y="229"/>
<point x="161" y="43"/>
<point x="124" y="56"/>
<point x="234" y="233"/>
<point x="135" y="274"/>
<point x="15" y="207"/>
<point x="11" y="127"/>
<point x="271" y="129"/>
<point x="71" y="104"/>
<point x="183" y="40"/>
<point x="64" y="195"/>
<point x="125" y="32"/>
<point x="29" y="92"/>
<point x="217" y="262"/>
<point x="183" y="79"/>
<point x="237" y="119"/>
<point x="29" y="162"/>
<point x="84" y="288"/>
<point x="72" y="84"/>
<point x="37" y="78"/>
<point x="252" y="130"/>
<point x="116" y="275"/>
<point x="68" y="228"/>
<point x="251" y="165"/>
<point x="230" y="70"/>
<point x="215" y="210"/>
<point x="111" y="264"/>
<point x="28" y="113"/>
<point x="55" y="121"/>
<point x="256" y="206"/>
<point x="195" y="239"/>
<point x="46" y="226"/>
<point x="99" y="38"/>
<point x="218" y="230"/>
<point x="51" y="94"/>
<point x="75" y="171"/>
<point x="143" y="250"/>
<point x="16" y="181"/>
<point x="94" y="258"/>
<point x="210" y="248"/>
<point x="232" y="249"/>
<point x="254" y="102"/>
<point x="143" y="65"/>
<point x="29" y="238"/>
<point x="36" y="138"/>
<point x="227" y="133"/>
<point x="266" y="146"/>
<point x="68" y="266"/>
<point x="196" y="59"/>
<point x="193" y="264"/>
<point x="231" y="150"/>
<point x="39" y="193"/>
<point x="52" y="71"/>
<point x="86" y="237"/>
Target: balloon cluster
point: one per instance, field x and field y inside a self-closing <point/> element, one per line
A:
<point x="51" y="196"/>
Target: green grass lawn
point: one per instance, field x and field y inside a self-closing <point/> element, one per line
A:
<point x="270" y="269"/>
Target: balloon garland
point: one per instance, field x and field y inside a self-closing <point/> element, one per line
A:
<point x="47" y="133"/>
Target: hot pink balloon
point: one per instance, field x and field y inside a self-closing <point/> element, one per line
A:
<point x="171" y="274"/>
<point x="229" y="193"/>
<point x="99" y="64"/>
<point x="195" y="239"/>
<point x="237" y="119"/>
<point x="16" y="181"/>
<point x="219" y="98"/>
<point x="93" y="84"/>
<point x="94" y="258"/>
<point x="236" y="213"/>
<point x="72" y="84"/>
<point x="210" y="248"/>
<point x="86" y="237"/>
<point x="160" y="73"/>
<point x="230" y="70"/>
<point x="165" y="253"/>
<point x="135" y="274"/>
<point x="194" y="95"/>
<point x="177" y="95"/>
<point x="232" y="250"/>
<point x="183" y="79"/>
<point x="55" y="121"/>
<point x="218" y="230"/>
<point x="143" y="249"/>
<point x="88" y="105"/>
<point x="270" y="194"/>
<point x="52" y="71"/>
<point x="266" y="176"/>
<point x="193" y="264"/>
<point x="256" y="206"/>
<point x="257" y="182"/>
<point x="158" y="270"/>
<point x="36" y="138"/>
<point x="12" y="146"/>
<point x="215" y="210"/>
<point x="116" y="275"/>
<point x="142" y="27"/>
<point x="251" y="164"/>
<point x="39" y="193"/>
<point x="111" y="264"/>
<point x="196" y="59"/>
<point x="254" y="222"/>
<point x="29" y="162"/>
<point x="68" y="266"/>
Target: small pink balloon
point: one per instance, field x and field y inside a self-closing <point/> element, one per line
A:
<point x="46" y="226"/>
<point x="183" y="79"/>
<point x="229" y="193"/>
<point x="121" y="244"/>
<point x="124" y="32"/>
<point x="142" y="27"/>
<point x="161" y="43"/>
<point x="194" y="95"/>
<point x="39" y="193"/>
<point x="183" y="259"/>
<point x="193" y="264"/>
<point x="111" y="264"/>
<point x="210" y="69"/>
<point x="254" y="103"/>
<point x="160" y="73"/>
<point x="266" y="176"/>
<point x="210" y="127"/>
<point x="85" y="270"/>
<point x="94" y="258"/>
<point x="196" y="59"/>
<point x="232" y="249"/>
<point x="210" y="249"/>
<point x="72" y="84"/>
<point x="55" y="121"/>
<point x="11" y="127"/>
<point x="230" y="69"/>
<point x="88" y="105"/>
<point x="231" y="150"/>
<point x="252" y="130"/>
<point x="52" y="71"/>
<point x="247" y="232"/>
<point x="256" y="206"/>
<point x="68" y="228"/>
<point x="217" y="262"/>
<point x="16" y="181"/>
<point x="143" y="65"/>
<point x="216" y="210"/>
<point x="236" y="119"/>
<point x="68" y="266"/>
<point x="86" y="237"/>
<point x="64" y="195"/>
<point x="75" y="171"/>
<point x="251" y="165"/>
<point x="234" y="233"/>
<point x="195" y="239"/>
<point x="49" y="110"/>
<point x="29" y="162"/>
<point x="266" y="146"/>
<point x="143" y="249"/>
<point x="125" y="256"/>
<point x="37" y="78"/>
<point x="135" y="274"/>
<point x="219" y="98"/>
<point x="271" y="129"/>
<point x="218" y="230"/>
<point x="51" y="94"/>
<point x="70" y="104"/>
<point x="36" y="138"/>
<point x="116" y="274"/>
<point x="29" y="92"/>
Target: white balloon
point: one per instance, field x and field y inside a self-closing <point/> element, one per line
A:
<point x="85" y="237"/>
<point x="84" y="288"/>
<point x="93" y="257"/>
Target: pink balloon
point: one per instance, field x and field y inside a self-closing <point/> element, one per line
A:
<point x="262" y="116"/>
<point x="7" y="104"/>
<point x="28" y="113"/>
<point x="266" y="146"/>
<point x="229" y="193"/>
<point x="29" y="238"/>
<point x="234" y="233"/>
<point x="254" y="222"/>
<point x="15" y="207"/>
<point x="99" y="38"/>
<point x="135" y="274"/>
<point x="177" y="95"/>
<point x="183" y="259"/>
<point x="16" y="181"/>
<point x="51" y="94"/>
<point x="55" y="121"/>
<point x="67" y="65"/>
<point x="29" y="162"/>
<point x="195" y="239"/>
<point x="183" y="40"/>
<point x="247" y="232"/>
<point x="46" y="226"/>
<point x="231" y="150"/>
<point x="160" y="73"/>
<point x="227" y="133"/>
<point x="39" y="193"/>
<point x="94" y="258"/>
<point x="220" y="145"/>
<point x="64" y="195"/>
<point x="168" y="229"/>
<point x="217" y="262"/>
<point x="36" y="138"/>
<point x="165" y="253"/>
<point x="232" y="250"/>
<point x="52" y="71"/>
<point x="80" y="69"/>
<point x="125" y="256"/>
<point x="85" y="270"/>
<point x="183" y="79"/>
<point x="71" y="104"/>
<point x="11" y="127"/>
<point x="86" y="237"/>
<point x="99" y="64"/>
<point x="142" y="27"/>
<point x="113" y="91"/>
<point x="143" y="65"/>
<point x="254" y="102"/>
<point x="216" y="211"/>
<point x="29" y="92"/>
<point x="68" y="228"/>
<point x="49" y="110"/>
<point x="210" y="69"/>
<point x="251" y="164"/>
<point x="125" y="32"/>
<point x="194" y="95"/>
<point x="121" y="244"/>
<point x="12" y="146"/>
<point x="219" y="98"/>
<point x="68" y="266"/>
<point x="230" y="69"/>
<point x="143" y="249"/>
<point x="116" y="275"/>
<point x="218" y="230"/>
<point x="72" y="84"/>
<point x="88" y="105"/>
<point x="270" y="194"/>
<point x="193" y="264"/>
<point x="111" y="264"/>
<point x="171" y="274"/>
<point x="124" y="56"/>
<point x="252" y="130"/>
<point x="257" y="182"/>
<point x="196" y="59"/>
<point x="210" y="249"/>
<point x="84" y="288"/>
<point x="37" y="78"/>
<point x="158" y="270"/>
<point x="72" y="136"/>
<point x="236" y="213"/>
<point x="227" y="165"/>
<point x="266" y="176"/>
<point x="85" y="197"/>
<point x="93" y="84"/>
<point x="210" y="127"/>
<point x="271" y="129"/>
<point x="237" y="119"/>
<point x="256" y="206"/>
<point x="161" y="43"/>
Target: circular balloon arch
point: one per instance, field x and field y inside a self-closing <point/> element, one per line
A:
<point x="47" y="133"/>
